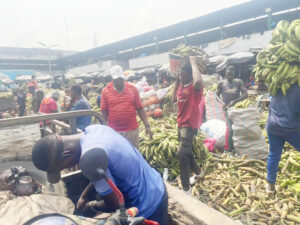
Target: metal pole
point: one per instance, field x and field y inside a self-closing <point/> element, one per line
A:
<point x="49" y="64"/>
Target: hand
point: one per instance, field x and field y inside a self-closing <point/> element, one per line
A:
<point x="193" y="60"/>
<point x="232" y="103"/>
<point x="224" y="106"/>
<point x="149" y="132"/>
<point x="81" y="204"/>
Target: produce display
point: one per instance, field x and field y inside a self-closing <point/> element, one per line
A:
<point x="161" y="151"/>
<point x="6" y="94"/>
<point x="93" y="101"/>
<point x="244" y="104"/>
<point x="278" y="65"/>
<point x="237" y="188"/>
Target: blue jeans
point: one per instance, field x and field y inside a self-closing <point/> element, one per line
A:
<point x="276" y="145"/>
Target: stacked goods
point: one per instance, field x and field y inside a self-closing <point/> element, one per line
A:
<point x="29" y="102"/>
<point x="161" y="151"/>
<point x="237" y="188"/>
<point x="6" y="94"/>
<point x="181" y="54"/>
<point x="278" y="65"/>
<point x="244" y="104"/>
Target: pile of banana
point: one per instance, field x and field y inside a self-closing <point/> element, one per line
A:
<point x="278" y="65"/>
<point x="161" y="151"/>
<point x="93" y="101"/>
<point x="244" y="104"/>
<point x="6" y="94"/>
<point x="184" y="51"/>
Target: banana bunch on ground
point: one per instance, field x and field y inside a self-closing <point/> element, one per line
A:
<point x="6" y="94"/>
<point x="278" y="65"/>
<point x="289" y="166"/>
<point x="161" y="152"/>
<point x="244" y="104"/>
<point x="184" y="51"/>
<point x="237" y="188"/>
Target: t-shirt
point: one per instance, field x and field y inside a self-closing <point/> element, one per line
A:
<point x="141" y="185"/>
<point x="82" y="121"/>
<point x="284" y="112"/>
<point x="188" y="100"/>
<point x="121" y="107"/>
<point x="231" y="91"/>
<point x="48" y="105"/>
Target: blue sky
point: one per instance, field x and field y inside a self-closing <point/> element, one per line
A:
<point x="25" y="22"/>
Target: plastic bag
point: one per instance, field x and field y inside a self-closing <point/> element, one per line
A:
<point x="210" y="144"/>
<point x="17" y="180"/>
<point x="161" y="93"/>
<point x="214" y="128"/>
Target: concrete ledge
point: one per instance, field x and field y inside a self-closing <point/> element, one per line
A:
<point x="201" y="213"/>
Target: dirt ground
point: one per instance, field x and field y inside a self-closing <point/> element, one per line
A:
<point x="178" y="216"/>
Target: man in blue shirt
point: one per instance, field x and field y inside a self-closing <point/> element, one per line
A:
<point x="80" y="103"/>
<point x="283" y="125"/>
<point x="141" y="185"/>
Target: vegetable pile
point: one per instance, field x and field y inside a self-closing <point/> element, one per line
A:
<point x="237" y="188"/>
<point x="244" y="104"/>
<point x="161" y="151"/>
<point x="6" y="94"/>
<point x="278" y="65"/>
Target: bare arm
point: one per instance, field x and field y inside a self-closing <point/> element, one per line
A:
<point x="105" y="114"/>
<point x="174" y="95"/>
<point x="197" y="79"/>
<point x="244" y="93"/>
<point x="219" y="90"/>
<point x="143" y="117"/>
<point x="110" y="203"/>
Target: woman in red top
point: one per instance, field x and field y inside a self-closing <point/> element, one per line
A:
<point x="188" y="92"/>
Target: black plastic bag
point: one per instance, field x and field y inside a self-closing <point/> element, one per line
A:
<point x="18" y="180"/>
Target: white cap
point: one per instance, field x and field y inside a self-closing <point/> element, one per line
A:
<point x="117" y="72"/>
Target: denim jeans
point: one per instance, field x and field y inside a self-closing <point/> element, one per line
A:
<point x="276" y="145"/>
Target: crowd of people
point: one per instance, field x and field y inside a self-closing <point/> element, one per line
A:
<point x="119" y="103"/>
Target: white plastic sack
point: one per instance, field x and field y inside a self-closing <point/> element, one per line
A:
<point x="214" y="128"/>
<point x="161" y="93"/>
<point x="247" y="135"/>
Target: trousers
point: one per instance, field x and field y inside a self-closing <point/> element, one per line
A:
<point x="187" y="160"/>
<point x="276" y="143"/>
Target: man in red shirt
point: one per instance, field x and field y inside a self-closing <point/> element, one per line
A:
<point x="120" y="101"/>
<point x="188" y="92"/>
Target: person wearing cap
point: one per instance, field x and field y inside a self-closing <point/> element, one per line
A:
<point x="101" y="147"/>
<point x="120" y="102"/>
<point x="78" y="102"/>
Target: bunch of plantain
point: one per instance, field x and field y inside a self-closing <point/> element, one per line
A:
<point x="278" y="65"/>
<point x="161" y="152"/>
<point x="244" y="104"/>
<point x="93" y="101"/>
<point x="6" y="94"/>
<point x="184" y="51"/>
<point x="237" y="188"/>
